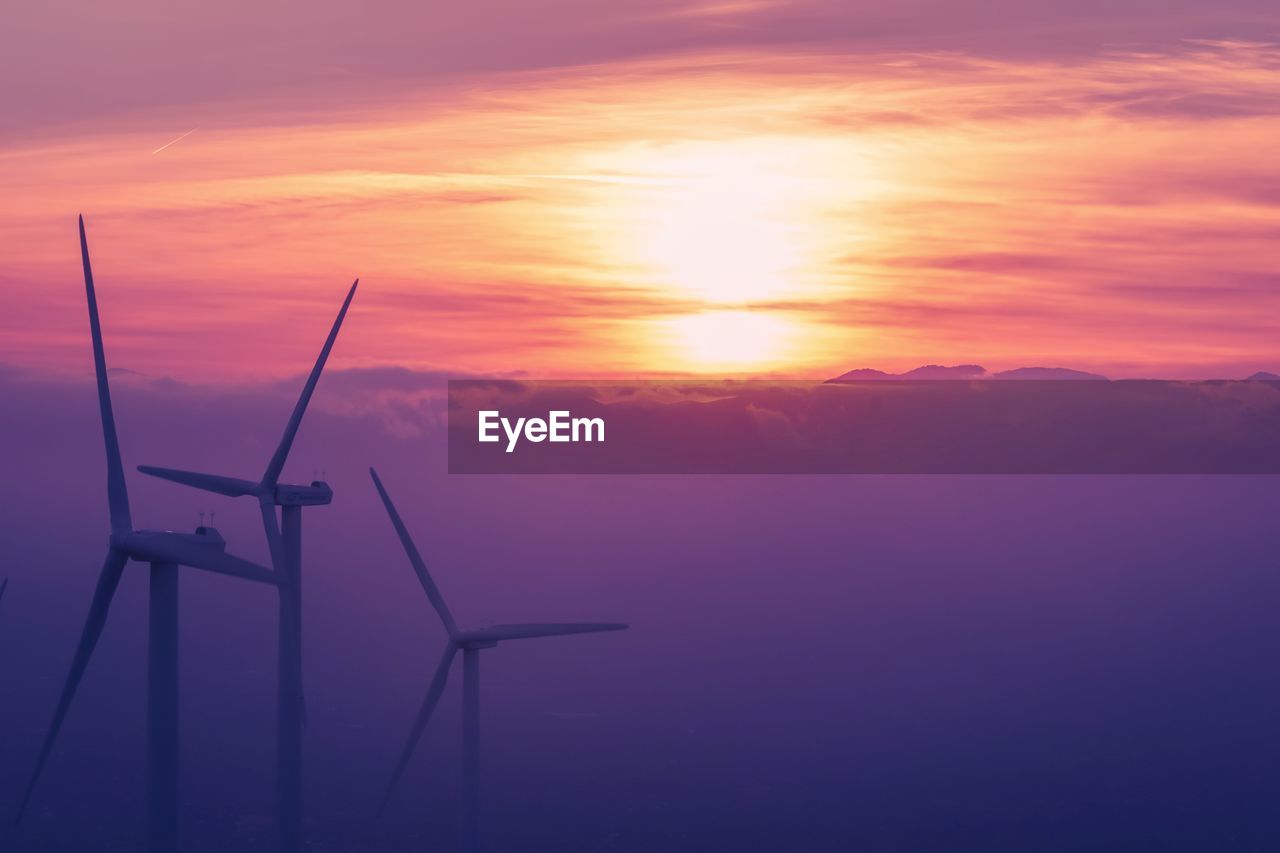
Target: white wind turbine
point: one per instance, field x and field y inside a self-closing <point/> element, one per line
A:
<point x="470" y="643"/>
<point x="165" y="550"/>
<point x="284" y="539"/>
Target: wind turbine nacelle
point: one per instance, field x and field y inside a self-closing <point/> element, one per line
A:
<point x="208" y="535"/>
<point x="151" y="544"/>
<point x="316" y="494"/>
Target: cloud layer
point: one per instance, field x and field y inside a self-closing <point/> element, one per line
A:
<point x="605" y="194"/>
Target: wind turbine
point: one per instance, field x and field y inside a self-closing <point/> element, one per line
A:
<point x="165" y="551"/>
<point x="284" y="539"/>
<point x="470" y="643"/>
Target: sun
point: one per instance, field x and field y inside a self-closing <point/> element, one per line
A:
<point x="731" y="223"/>
<point x="737" y="235"/>
<point x="729" y="340"/>
<point x="728" y="227"/>
<point x="725" y="238"/>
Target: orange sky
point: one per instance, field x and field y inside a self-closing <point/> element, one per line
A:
<point x="747" y="210"/>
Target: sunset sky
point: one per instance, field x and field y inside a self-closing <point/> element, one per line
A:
<point x="645" y="188"/>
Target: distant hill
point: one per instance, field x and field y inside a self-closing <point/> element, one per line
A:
<point x="938" y="371"/>
<point x="972" y="371"/>
<point x="1064" y="373"/>
<point x="863" y="374"/>
<point x="1261" y="376"/>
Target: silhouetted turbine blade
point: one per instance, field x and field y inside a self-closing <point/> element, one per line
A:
<point x="434" y="692"/>
<point x="275" y="542"/>
<point x="284" y="572"/>
<point x="117" y="494"/>
<point x="424" y="577"/>
<point x="186" y="553"/>
<point x="497" y="633"/>
<point x="3" y="586"/>
<point x="108" y="580"/>
<point x="276" y="465"/>
<point x="230" y="486"/>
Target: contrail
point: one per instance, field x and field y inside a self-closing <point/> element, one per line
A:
<point x="179" y="139"/>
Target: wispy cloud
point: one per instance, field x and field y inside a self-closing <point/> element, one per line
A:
<point x="1102" y="209"/>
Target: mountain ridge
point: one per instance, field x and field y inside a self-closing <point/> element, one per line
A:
<point x="968" y="372"/>
<point x="964" y="372"/>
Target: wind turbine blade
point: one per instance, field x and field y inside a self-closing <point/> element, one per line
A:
<point x="3" y="586"/>
<point x="284" y="573"/>
<point x="424" y="577"/>
<point x="108" y="580"/>
<point x="276" y="465"/>
<point x="175" y="549"/>
<point x="525" y="631"/>
<point x="230" y="486"/>
<point x="434" y="692"/>
<point x="275" y="542"/>
<point x="117" y="494"/>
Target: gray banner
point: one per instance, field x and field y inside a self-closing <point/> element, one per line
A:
<point x="982" y="426"/>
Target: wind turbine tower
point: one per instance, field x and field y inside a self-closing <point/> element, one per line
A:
<point x="284" y="539"/>
<point x="164" y="550"/>
<point x="470" y="643"/>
